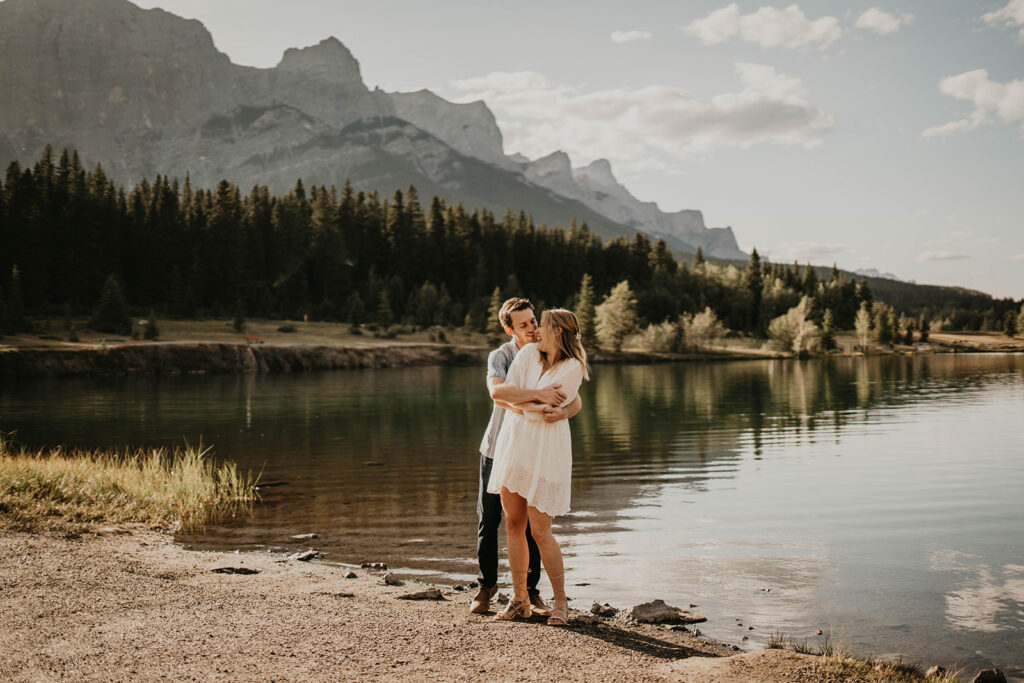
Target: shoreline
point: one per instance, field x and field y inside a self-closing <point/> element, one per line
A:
<point x="24" y="358"/>
<point x="127" y="602"/>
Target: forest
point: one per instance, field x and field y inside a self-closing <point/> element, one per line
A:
<point x="332" y="254"/>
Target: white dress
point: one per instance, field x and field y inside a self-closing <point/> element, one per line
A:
<point x="532" y="457"/>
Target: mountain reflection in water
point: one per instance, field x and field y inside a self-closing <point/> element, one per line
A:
<point x="877" y="498"/>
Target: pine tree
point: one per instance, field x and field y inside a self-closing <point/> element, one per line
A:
<point x="1010" y="324"/>
<point x="385" y="316"/>
<point x="494" y="326"/>
<point x="698" y="258"/>
<point x="754" y="283"/>
<point x="616" y="316"/>
<point x="152" y="331"/>
<point x="586" y="313"/>
<point x="828" y="331"/>
<point x="1020" y="320"/>
<point x="111" y="314"/>
<point x="15" y="304"/>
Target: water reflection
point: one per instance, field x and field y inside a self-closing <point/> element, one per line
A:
<point x="788" y="495"/>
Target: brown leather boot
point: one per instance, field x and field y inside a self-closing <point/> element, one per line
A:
<point x="538" y="606"/>
<point x="482" y="602"/>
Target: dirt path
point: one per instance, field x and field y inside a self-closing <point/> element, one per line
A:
<point x="133" y="605"/>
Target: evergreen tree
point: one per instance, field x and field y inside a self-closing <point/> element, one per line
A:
<point x="3" y="313"/>
<point x="616" y="316"/>
<point x="111" y="313"/>
<point x="1020" y="320"/>
<point x="586" y="313"/>
<point x="152" y="331"/>
<point x="238" y="324"/>
<point x="1010" y="324"/>
<point x="698" y="258"/>
<point x="494" y="326"/>
<point x="385" y="316"/>
<point x="15" y="304"/>
<point x="828" y="331"/>
<point x="754" y="282"/>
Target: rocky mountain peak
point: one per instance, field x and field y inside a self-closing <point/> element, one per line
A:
<point x="328" y="60"/>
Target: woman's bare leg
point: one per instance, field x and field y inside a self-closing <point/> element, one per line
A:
<point x="551" y="556"/>
<point x="516" y="517"/>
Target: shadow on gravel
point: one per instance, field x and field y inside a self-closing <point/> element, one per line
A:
<point x="630" y="640"/>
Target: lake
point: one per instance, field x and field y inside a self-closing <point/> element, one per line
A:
<point x="877" y="499"/>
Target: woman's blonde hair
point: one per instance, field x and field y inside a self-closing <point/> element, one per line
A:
<point x="567" y="336"/>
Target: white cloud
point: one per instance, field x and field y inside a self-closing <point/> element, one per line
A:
<point x="1002" y="101"/>
<point x="717" y="27"/>
<point x="650" y="127"/>
<point x="805" y="251"/>
<point x="768" y="26"/>
<point x="881" y="22"/>
<point x="630" y="36"/>
<point x="1018" y="257"/>
<point x="1012" y="16"/>
<point x="942" y="256"/>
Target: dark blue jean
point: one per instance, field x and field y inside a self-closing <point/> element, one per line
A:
<point x="488" y="511"/>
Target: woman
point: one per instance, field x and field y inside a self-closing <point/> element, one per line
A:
<point x="533" y="459"/>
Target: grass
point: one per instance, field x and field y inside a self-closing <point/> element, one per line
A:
<point x="69" y="491"/>
<point x="837" y="662"/>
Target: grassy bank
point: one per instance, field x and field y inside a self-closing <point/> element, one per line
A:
<point x="836" y="663"/>
<point x="68" y="491"/>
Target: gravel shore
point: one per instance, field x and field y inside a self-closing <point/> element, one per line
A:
<point x="129" y="604"/>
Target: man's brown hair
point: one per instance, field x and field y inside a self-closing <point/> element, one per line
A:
<point x="511" y="305"/>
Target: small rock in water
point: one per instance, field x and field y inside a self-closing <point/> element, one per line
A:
<point x="392" y="580"/>
<point x="502" y="599"/>
<point x="458" y="587"/>
<point x="472" y="584"/>
<point x="306" y="556"/>
<point x="235" y="570"/>
<point x="935" y="672"/>
<point x="657" y="612"/>
<point x="351" y="575"/>
<point x="989" y="676"/>
<point x="604" y="610"/>
<point x="375" y="565"/>
<point x="428" y="594"/>
<point x="304" y="537"/>
<point x="819" y="632"/>
<point x="583" y="584"/>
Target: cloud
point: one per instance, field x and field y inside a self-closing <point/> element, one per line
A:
<point x="1012" y="16"/>
<point x="767" y="26"/>
<point x="882" y="22"/>
<point x="1018" y="257"/>
<point x="649" y="127"/>
<point x="805" y="251"/>
<point x="630" y="36"/>
<point x="993" y="101"/>
<point x="942" y="256"/>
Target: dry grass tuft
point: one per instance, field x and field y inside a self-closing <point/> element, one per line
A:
<point x="68" y="491"/>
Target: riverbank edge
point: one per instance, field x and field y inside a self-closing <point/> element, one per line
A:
<point x="176" y="358"/>
<point x="124" y="602"/>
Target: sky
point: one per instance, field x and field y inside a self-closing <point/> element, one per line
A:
<point x="884" y="134"/>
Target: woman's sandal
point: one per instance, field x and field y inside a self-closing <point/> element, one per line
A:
<point x="559" y="613"/>
<point x="515" y="609"/>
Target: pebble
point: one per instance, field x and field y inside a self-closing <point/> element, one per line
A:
<point x="392" y="580"/>
<point x="604" y="610"/>
<point x="989" y="676"/>
<point x="235" y="570"/>
<point x="375" y="565"/>
<point x="303" y="537"/>
<point x="657" y="612"/>
<point x="351" y="575"/>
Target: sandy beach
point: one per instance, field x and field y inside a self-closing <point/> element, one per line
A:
<point x="128" y="603"/>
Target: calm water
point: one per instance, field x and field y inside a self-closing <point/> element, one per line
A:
<point x="880" y="499"/>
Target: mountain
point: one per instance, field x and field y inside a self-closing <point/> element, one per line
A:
<point x="146" y="92"/>
<point x="873" y="272"/>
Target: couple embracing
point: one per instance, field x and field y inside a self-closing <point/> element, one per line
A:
<point x="526" y="456"/>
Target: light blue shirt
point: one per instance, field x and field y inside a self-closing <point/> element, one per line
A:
<point x="498" y="363"/>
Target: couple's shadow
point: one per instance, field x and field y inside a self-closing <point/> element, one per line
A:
<point x="627" y="639"/>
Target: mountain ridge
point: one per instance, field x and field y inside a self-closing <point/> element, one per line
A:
<point x="144" y="91"/>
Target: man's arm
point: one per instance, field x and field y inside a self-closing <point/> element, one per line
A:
<point x="507" y="394"/>
<point x="554" y="414"/>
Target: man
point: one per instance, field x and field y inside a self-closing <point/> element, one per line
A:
<point x="520" y="323"/>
